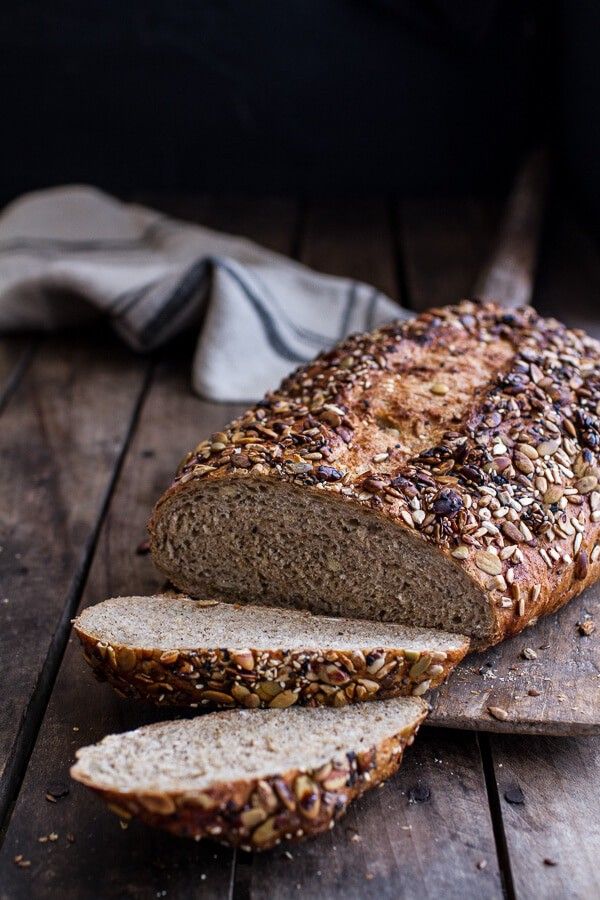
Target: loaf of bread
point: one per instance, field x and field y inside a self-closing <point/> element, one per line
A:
<point x="248" y="778"/>
<point x="439" y="473"/>
<point x="174" y="651"/>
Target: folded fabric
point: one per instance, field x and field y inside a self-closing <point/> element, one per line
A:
<point x="70" y="255"/>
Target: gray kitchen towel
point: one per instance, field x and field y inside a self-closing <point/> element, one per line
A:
<point x="71" y="255"/>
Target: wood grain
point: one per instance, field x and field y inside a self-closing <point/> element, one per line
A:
<point x="63" y="432"/>
<point x="553" y="831"/>
<point x="104" y="861"/>
<point x="565" y="678"/>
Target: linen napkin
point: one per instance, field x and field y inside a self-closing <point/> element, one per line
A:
<point x="71" y="255"/>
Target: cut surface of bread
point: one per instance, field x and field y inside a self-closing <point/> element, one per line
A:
<point x="251" y="778"/>
<point x="428" y="473"/>
<point x="181" y="652"/>
<point x="284" y="545"/>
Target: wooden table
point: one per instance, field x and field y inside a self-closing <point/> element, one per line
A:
<point x="90" y="435"/>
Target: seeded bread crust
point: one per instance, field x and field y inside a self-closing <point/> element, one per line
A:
<point x="257" y="814"/>
<point x="221" y="678"/>
<point x="475" y="429"/>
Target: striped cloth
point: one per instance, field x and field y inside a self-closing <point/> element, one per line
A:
<point x="70" y="255"/>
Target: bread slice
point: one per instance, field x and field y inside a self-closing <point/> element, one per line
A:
<point x="440" y="473"/>
<point x="251" y="778"/>
<point x="181" y="652"/>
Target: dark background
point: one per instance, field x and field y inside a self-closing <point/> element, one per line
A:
<point x="252" y="95"/>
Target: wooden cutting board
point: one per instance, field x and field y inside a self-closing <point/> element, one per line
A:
<point x="564" y="679"/>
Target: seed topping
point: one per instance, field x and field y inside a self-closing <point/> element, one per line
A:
<point x="515" y="482"/>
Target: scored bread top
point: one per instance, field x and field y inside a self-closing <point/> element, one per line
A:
<point x="190" y="755"/>
<point x="177" y="623"/>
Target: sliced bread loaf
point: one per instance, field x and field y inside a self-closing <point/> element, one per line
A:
<point x="251" y="778"/>
<point x="182" y="652"/>
<point x="442" y="472"/>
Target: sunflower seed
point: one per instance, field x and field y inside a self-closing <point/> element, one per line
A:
<point x="488" y="562"/>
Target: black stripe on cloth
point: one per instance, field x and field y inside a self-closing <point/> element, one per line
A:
<point x="124" y="302"/>
<point x="184" y="293"/>
<point x="306" y="334"/>
<point x="269" y="324"/>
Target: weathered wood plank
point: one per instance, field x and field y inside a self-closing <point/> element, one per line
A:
<point x="443" y="245"/>
<point x="63" y="432"/>
<point x="388" y="844"/>
<point x="549" y="791"/>
<point x="426" y="833"/>
<point x="104" y="861"/>
<point x="564" y="679"/>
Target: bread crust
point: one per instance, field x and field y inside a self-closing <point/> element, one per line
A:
<point x="220" y="678"/>
<point x="484" y="422"/>
<point x="257" y="814"/>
